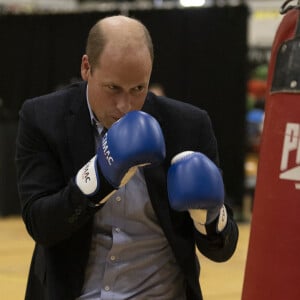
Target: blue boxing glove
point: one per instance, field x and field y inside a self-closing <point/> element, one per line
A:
<point x="134" y="140"/>
<point x="195" y="185"/>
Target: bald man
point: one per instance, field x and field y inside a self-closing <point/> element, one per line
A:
<point x="117" y="67"/>
<point x="97" y="235"/>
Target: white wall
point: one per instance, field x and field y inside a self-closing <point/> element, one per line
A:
<point x="263" y="21"/>
<point x="40" y="4"/>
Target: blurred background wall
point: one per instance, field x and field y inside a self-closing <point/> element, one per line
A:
<point x="203" y="55"/>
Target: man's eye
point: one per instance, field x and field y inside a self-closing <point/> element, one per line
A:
<point x="112" y="88"/>
<point x="139" y="88"/>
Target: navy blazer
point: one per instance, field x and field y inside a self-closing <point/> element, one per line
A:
<point x="55" y="139"/>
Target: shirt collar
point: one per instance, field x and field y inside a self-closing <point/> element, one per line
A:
<point x="92" y="115"/>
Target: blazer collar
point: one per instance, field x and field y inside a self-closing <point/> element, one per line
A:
<point x="151" y="108"/>
<point x="79" y="129"/>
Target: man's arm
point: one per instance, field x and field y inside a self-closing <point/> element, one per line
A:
<point x="52" y="208"/>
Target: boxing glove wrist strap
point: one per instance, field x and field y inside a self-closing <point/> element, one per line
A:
<point x="199" y="219"/>
<point x="87" y="178"/>
<point x="93" y="184"/>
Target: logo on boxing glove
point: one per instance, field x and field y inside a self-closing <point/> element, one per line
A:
<point x="106" y="151"/>
<point x="86" y="174"/>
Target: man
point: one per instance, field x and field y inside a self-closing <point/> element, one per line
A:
<point x="117" y="185"/>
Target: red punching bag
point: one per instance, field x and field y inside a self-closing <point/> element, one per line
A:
<point x="273" y="262"/>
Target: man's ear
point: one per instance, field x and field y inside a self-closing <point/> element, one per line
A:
<point x="85" y="67"/>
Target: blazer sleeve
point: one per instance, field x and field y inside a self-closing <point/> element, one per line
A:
<point x="52" y="208"/>
<point x="217" y="247"/>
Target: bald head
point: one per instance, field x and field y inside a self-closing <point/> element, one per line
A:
<point x="120" y="35"/>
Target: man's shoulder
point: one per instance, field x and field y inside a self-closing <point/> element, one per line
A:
<point x="58" y="98"/>
<point x="170" y="106"/>
<point x="54" y="107"/>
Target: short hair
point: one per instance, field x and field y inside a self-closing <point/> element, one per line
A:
<point x="97" y="39"/>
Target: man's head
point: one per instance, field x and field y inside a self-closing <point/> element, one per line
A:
<point x="117" y="66"/>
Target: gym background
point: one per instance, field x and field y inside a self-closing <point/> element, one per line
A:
<point x="206" y="55"/>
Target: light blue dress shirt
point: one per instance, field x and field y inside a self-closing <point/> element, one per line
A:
<point x="130" y="257"/>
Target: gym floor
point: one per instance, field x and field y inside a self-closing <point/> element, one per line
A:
<point x="219" y="281"/>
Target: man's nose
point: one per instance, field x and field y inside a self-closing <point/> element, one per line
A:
<point x="124" y="103"/>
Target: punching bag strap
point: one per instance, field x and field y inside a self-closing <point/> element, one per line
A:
<point x="286" y="76"/>
<point x="285" y="7"/>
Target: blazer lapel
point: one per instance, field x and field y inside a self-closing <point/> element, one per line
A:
<point x="80" y="131"/>
<point x="156" y="177"/>
<point x="150" y="107"/>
